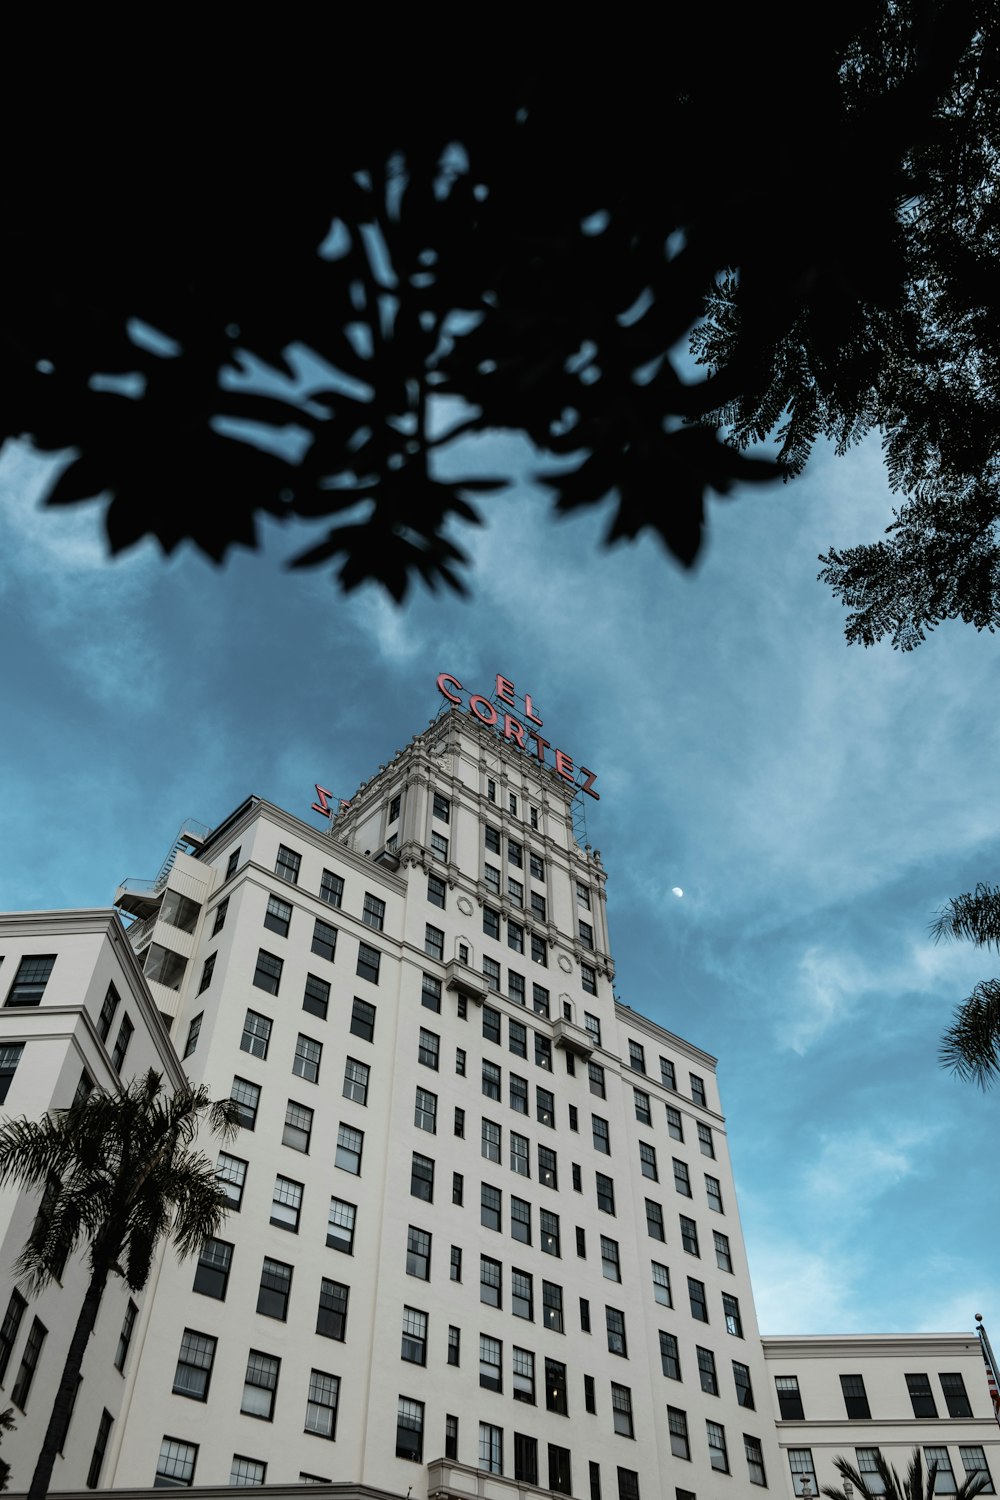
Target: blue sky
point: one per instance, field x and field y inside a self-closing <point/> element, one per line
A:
<point x="816" y="803"/>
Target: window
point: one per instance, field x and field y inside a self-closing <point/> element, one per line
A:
<point x="600" y="1134"/>
<point x="543" y="1052"/>
<point x="520" y="1220"/>
<point x="194" y="1365"/>
<point x="460" y="1123"/>
<point x="211" y="1278"/>
<point x="555" y="1387"/>
<point x="287" y="865"/>
<point x="706" y="1371"/>
<point x="524" y="1376"/>
<point x="175" y="1465"/>
<point x="247" y="1471"/>
<point x="595" y="1074"/>
<point x="744" y="1390"/>
<point x="731" y="1311"/>
<point x="490" y="1140"/>
<point x="490" y="1273"/>
<point x="944" y="1479"/>
<point x="331" y="1316"/>
<point x="547" y="1171"/>
<point x="519" y="1159"/>
<point x="31" y="978"/>
<point x="491" y="876"/>
<point x="231" y="1172"/>
<point x="647" y="1161"/>
<point x="718" y="1457"/>
<point x="921" y="1397"/>
<point x="125" y="1031"/>
<point x="232" y="864"/>
<point x="84" y="1088"/>
<point x="260" y="1384"/>
<point x="522" y="1295"/>
<point x="789" y="1398"/>
<point x="100" y="1446"/>
<point x="955" y="1397"/>
<point x="682" y="1181"/>
<point x="515" y="891"/>
<point x="675" y="1125"/>
<point x="723" y="1256"/>
<point x="433" y="941"/>
<point x="491" y="922"/>
<point x="615" y="1320"/>
<point x="552" y="1306"/>
<point x="668" y="1076"/>
<point x="584" y="1315"/>
<point x="755" y="1460"/>
<point x="208" y="970"/>
<point x="605" y="1194"/>
<point x="661" y="1284"/>
<point x="705" y="1141"/>
<point x="394" y="807"/>
<point x="588" y="978"/>
<point x="689" y="1235"/>
<point x="518" y="1093"/>
<point x="422" y="1177"/>
<point x="621" y="1408"/>
<point x="363" y="1020"/>
<point x="490" y="1448"/>
<point x="194" y="1031"/>
<point x="559" y="1470"/>
<point x="439" y="845"/>
<point x="454" y="1345"/>
<point x="425" y="1111"/>
<point x="107" y="1015"/>
<point x="490" y="1207"/>
<point x="590" y="1403"/>
<point x="514" y="854"/>
<point x="491" y="973"/>
<point x="586" y="932"/>
<point x="162" y="965"/>
<point x="678" y="1428"/>
<point x="275" y="1289"/>
<point x="973" y="1462"/>
<point x="350" y="1143"/>
<point x="368" y="962"/>
<point x="491" y="1080"/>
<point x="316" y="997"/>
<point x="492" y="838"/>
<point x="548" y="1233"/>
<point x="538" y="906"/>
<point x="515" y="987"/>
<point x="286" y="1204"/>
<point x="517" y="1038"/>
<point x="800" y="1461"/>
<point x="340" y="1226"/>
<point x="442" y="808"/>
<point x="298" y="1126"/>
<point x="713" y="1189"/>
<point x="305" y="1063"/>
<point x="414" y="1340"/>
<point x="581" y="1243"/>
<point x="654" y="1220"/>
<point x="525" y="1458"/>
<point x="124" y="1338"/>
<point x="697" y="1089"/>
<point x="670" y="1360"/>
<point x="278" y="916"/>
<point x="610" y="1263"/>
<point x="321" y="1404"/>
<point x="247" y="1096"/>
<point x="856" y="1398"/>
<point x="356" y="1075"/>
<point x="220" y="916"/>
<point x="460" y="1058"/>
<point x="429" y="1049"/>
<point x="410" y="1430"/>
<point x="490" y="1357"/>
<point x="868" y="1469"/>
<point x="267" y="974"/>
<point x="628" y="1484"/>
<point x="515" y="936"/>
<point x="491" y="1024"/>
<point x="696" y="1297"/>
<point x="331" y="888"/>
<point x="11" y="1056"/>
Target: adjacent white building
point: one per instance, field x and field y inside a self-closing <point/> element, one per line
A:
<point x="484" y="1233"/>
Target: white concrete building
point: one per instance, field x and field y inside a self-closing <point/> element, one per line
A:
<point x="484" y="1235"/>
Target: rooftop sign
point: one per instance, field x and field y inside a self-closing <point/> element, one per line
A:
<point x="509" y="727"/>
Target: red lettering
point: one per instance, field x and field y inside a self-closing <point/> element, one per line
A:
<point x="512" y="730"/>
<point x="489" y="717"/>
<point x="588" y="784"/>
<point x="505" y="690"/>
<point x="540" y="745"/>
<point x="322" y="806"/>
<point x="528" y="713"/>
<point x="564" y="766"/>
<point x="444" y="677"/>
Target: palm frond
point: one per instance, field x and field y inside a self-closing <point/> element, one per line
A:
<point x="974" y="916"/>
<point x="971" y="1045"/>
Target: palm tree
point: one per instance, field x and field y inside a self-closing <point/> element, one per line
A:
<point x="891" y="1487"/>
<point x="117" y="1174"/>
<point x="971" y="1045"/>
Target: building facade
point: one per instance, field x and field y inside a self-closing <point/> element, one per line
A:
<point x="483" y="1233"/>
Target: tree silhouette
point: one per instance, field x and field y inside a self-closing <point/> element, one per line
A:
<point x="276" y="284"/>
<point x="118" y="1174"/>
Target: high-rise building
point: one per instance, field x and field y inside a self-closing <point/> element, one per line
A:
<point x="483" y="1230"/>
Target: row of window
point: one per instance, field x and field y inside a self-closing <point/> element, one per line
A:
<point x="718" y="1451"/>
<point x="29" y="986"/>
<point x="856" y="1398"/>
<point x="972" y="1455"/>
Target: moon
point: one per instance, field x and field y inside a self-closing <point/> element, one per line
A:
<point x="676" y="891"/>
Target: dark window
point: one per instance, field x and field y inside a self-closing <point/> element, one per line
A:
<point x="100" y="1447"/>
<point x="621" y="1410"/>
<point x="581" y="1243"/>
<point x="668" y="1075"/>
<point x="125" y="1031"/>
<point x="921" y="1396"/>
<point x="491" y="973"/>
<point x="256" y="1036"/>
<point x="552" y="1306"/>
<point x="670" y="1360"/>
<point x="433" y="942"/>
<point x="588" y="978"/>
<point x="418" y="1253"/>
<point x="755" y="1460"/>
<point x="548" y="1232"/>
<point x="723" y="1256"/>
<point x="539" y="1000"/>
<point x="29" y="1363"/>
<point x="744" y="1390"/>
<point x="306" y="1061"/>
<point x="454" y="1345"/>
<point x="628" y="1484"/>
<point x="689" y="1235"/>
<point x="586" y="934"/>
<point x="267" y="974"/>
<point x="278" y="916"/>
<point x="455" y="1272"/>
<point x="706" y="1371"/>
<point x="605" y="1194"/>
<point x="410" y="1430"/>
<point x="490" y="1146"/>
<point x="595" y="1074"/>
<point x="560" y="1478"/>
<point x="363" y="1020"/>
<point x="125" y="1337"/>
<point x="10" y="1328"/>
<point x="615" y="1320"/>
<point x="247" y="1096"/>
<point x="731" y="1312"/>
<point x="789" y="1398"/>
<point x="324" y="939"/>
<point x="675" y="1124"/>
<point x="107" y="1015"/>
<point x="231" y="1172"/>
<point x="514" y="855"/>
<point x="584" y="1315"/>
<point x="490" y="1278"/>
<point x="350" y="1144"/>
<point x="298" y="1126"/>
<point x="369" y="960"/>
<point x="696" y="1297"/>
<point x="422" y="1177"/>
<point x="287" y="865"/>
<point x="522" y="1295"/>
<point x="545" y="1107"/>
<point x="589" y="1397"/>
<point x="211" y="1277"/>
<point x="331" y="888"/>
<point x="555" y="1387"/>
<point x="525" y="1458"/>
<point x="678" y="1429"/>
<point x="206" y="973"/>
<point x="518" y="1090"/>
<point x="543" y="1052"/>
<point x="955" y="1397"/>
<point x="394" y="807"/>
<point x="697" y="1089"/>
<point x="515" y="987"/>
<point x="705" y="1142"/>
<point x="548" y="1174"/>
<point x="713" y="1190"/>
<point x="275" y="1289"/>
<point x="682" y="1181"/>
<point x="490" y="1207"/>
<point x="30" y="980"/>
<point x="356" y="1075"/>
<point x="515" y="936"/>
<point x="340" y="1226"/>
<point x="442" y="808"/>
<point x="429" y="1049"/>
<point x="717" y="1454"/>
<point x="661" y="1284"/>
<point x="601" y="1135"/>
<point x="491" y="922"/>
<point x="286" y="1204"/>
<point x="10" y="1056"/>
<point x="856" y="1397"/>
<point x="492" y="839"/>
<point x="220" y="916"/>
<point x="451" y="1436"/>
<point x="316" y="998"/>
<point x="520" y="1220"/>
<point x="413" y="1346"/>
<point x="654" y="1220"/>
<point x="490" y="1368"/>
<point x="430" y="993"/>
<point x="491" y="1080"/>
<point x="517" y="1038"/>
